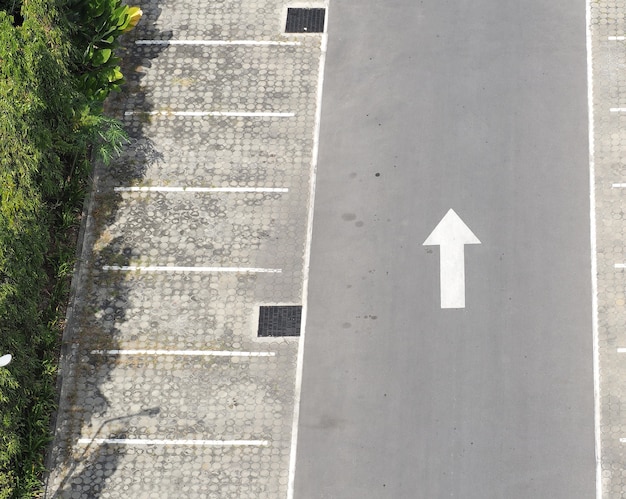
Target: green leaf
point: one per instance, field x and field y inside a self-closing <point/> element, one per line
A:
<point x="101" y="56"/>
<point x="120" y="15"/>
<point x="115" y="75"/>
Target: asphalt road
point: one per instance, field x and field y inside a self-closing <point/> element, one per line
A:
<point x="480" y="107"/>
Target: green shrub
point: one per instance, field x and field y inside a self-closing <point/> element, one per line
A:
<point x="96" y="26"/>
<point x="57" y="65"/>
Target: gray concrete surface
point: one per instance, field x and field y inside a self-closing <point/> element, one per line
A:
<point x="480" y="107"/>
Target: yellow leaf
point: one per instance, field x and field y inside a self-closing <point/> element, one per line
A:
<point x="135" y="14"/>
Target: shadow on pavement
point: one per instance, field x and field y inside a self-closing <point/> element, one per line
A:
<point x="98" y="461"/>
<point x="100" y="299"/>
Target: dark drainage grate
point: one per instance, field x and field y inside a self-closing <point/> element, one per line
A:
<point x="282" y="320"/>
<point x="305" y="20"/>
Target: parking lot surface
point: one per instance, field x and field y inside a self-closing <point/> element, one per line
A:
<point x="167" y="388"/>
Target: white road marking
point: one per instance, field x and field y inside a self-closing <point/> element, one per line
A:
<point x="451" y="235"/>
<point x="307" y="261"/>
<point x="243" y="114"/>
<point x="618" y="109"/>
<point x="200" y="189"/>
<point x="617" y="38"/>
<point x="140" y="268"/>
<point x="621" y="350"/>
<point x="149" y="441"/>
<point x="618" y="186"/>
<point x="594" y="257"/>
<point x="216" y="42"/>
<point x="620" y="265"/>
<point x="185" y="353"/>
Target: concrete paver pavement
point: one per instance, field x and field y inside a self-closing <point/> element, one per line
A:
<point x="166" y="389"/>
<point x="608" y="57"/>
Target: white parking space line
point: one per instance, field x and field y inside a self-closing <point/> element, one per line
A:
<point x="618" y="186"/>
<point x="620" y="265"/>
<point x="218" y="42"/>
<point x="621" y="350"/>
<point x="240" y="114"/>
<point x="149" y="441"/>
<point x="185" y="353"/>
<point x="617" y="38"/>
<point x="618" y="109"/>
<point x="140" y="268"/>
<point x="201" y="189"/>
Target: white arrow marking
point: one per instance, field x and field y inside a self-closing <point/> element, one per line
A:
<point x="451" y="235"/>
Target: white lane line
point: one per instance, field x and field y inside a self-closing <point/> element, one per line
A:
<point x="185" y="353"/>
<point x="293" y="452"/>
<point x="594" y="257"/>
<point x="216" y="42"/>
<point x="200" y="189"/>
<point x="618" y="109"/>
<point x="149" y="441"/>
<point x="617" y="38"/>
<point x="243" y="114"/>
<point x="148" y="268"/>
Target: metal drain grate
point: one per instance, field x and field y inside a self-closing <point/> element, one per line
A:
<point x="280" y="320"/>
<point x="305" y="20"/>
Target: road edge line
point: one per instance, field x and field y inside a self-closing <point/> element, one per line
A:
<point x="594" y="256"/>
<point x="307" y="261"/>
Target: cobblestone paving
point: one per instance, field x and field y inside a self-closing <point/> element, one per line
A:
<point x="608" y="19"/>
<point x="159" y="421"/>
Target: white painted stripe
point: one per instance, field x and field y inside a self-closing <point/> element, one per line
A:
<point x="185" y="353"/>
<point x="618" y="109"/>
<point x="149" y="441"/>
<point x="139" y="268"/>
<point x="293" y="452"/>
<point x="621" y="350"/>
<point x="216" y="42"/>
<point x="243" y="114"/>
<point x="617" y="38"/>
<point x="594" y="257"/>
<point x="618" y="186"/>
<point x="620" y="265"/>
<point x="200" y="189"/>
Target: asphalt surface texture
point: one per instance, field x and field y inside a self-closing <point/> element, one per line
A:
<point x="482" y="108"/>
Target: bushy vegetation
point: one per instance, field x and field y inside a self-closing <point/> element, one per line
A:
<point x="57" y="65"/>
